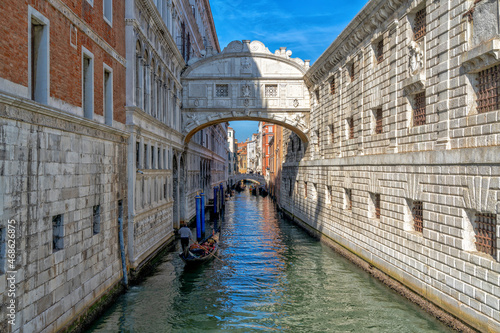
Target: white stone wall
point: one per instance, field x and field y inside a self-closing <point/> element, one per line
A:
<point x="451" y="164"/>
<point x="65" y="166"/>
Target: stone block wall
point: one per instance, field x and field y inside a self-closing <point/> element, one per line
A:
<point x="362" y="185"/>
<point x="54" y="165"/>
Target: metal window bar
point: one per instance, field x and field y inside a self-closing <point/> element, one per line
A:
<point x="332" y="87"/>
<point x="485" y="230"/>
<point x="419" y="28"/>
<point x="488" y="90"/>
<point x="418" y="219"/>
<point x="377" y="206"/>
<point x="349" y="199"/>
<point x="419" y="111"/>
<point x="378" y="120"/>
<point x="221" y="90"/>
<point x="380" y="51"/>
<point x="271" y="90"/>
<point x="352" y="71"/>
<point x="351" y="128"/>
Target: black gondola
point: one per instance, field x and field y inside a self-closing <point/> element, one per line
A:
<point x="202" y="252"/>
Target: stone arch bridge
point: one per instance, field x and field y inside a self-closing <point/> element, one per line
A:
<point x="256" y="178"/>
<point x="246" y="82"/>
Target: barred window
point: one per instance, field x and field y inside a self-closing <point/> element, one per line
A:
<point x="57" y="233"/>
<point x="305" y="190"/>
<point x="271" y="90"/>
<point x="485" y="229"/>
<point x="379" y="52"/>
<point x="96" y="219"/>
<point x="352" y="71"/>
<point x="488" y="90"/>
<point x="418" y="220"/>
<point x="348" y="198"/>
<point x="221" y="90"/>
<point x="351" y="128"/>
<point x="332" y="133"/>
<point x="378" y="121"/>
<point x="332" y="86"/>
<point x="419" y="27"/>
<point x="419" y="110"/>
<point x="376" y="201"/>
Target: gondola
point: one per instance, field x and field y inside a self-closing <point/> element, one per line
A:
<point x="202" y="252"/>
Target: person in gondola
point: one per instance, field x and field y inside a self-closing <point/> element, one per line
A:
<point x="186" y="235"/>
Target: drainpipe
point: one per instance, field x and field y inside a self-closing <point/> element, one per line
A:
<point x="122" y="250"/>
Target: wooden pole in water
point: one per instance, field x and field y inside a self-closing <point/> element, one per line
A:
<point x="203" y="214"/>
<point x="198" y="217"/>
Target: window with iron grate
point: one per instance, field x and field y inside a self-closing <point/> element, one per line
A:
<point x="351" y="128"/>
<point x="221" y="90"/>
<point x="376" y="201"/>
<point x="418" y="216"/>
<point x="352" y="71"/>
<point x="485" y="230"/>
<point x="271" y="90"/>
<point x="419" y="27"/>
<point x="378" y="121"/>
<point x="305" y="190"/>
<point x="332" y="133"/>
<point x="419" y="116"/>
<point x="488" y="90"/>
<point x="379" y="52"/>
<point x="348" y="198"/>
<point x="332" y="86"/>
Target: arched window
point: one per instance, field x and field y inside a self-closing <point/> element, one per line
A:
<point x="138" y="75"/>
<point x="146" y="81"/>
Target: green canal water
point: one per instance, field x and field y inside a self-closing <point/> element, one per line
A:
<point x="271" y="277"/>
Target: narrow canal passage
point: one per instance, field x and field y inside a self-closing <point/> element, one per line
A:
<point x="271" y="276"/>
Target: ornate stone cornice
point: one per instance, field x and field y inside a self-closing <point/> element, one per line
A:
<point x="373" y="15"/>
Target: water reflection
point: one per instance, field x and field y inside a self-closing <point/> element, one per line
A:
<point x="270" y="276"/>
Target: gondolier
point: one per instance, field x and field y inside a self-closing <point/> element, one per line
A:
<point x="186" y="235"/>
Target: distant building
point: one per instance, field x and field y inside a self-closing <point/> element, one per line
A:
<point x="242" y="157"/>
<point x="275" y="162"/>
<point x="231" y="154"/>
<point x="267" y="133"/>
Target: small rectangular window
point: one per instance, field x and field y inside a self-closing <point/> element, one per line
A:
<point x="378" y="121"/>
<point x="305" y="190"/>
<point x="419" y="116"/>
<point x="158" y="152"/>
<point x="485" y="230"/>
<point x="145" y="166"/>
<point x="348" y="199"/>
<point x="152" y="157"/>
<point x="352" y="71"/>
<point x="221" y="90"/>
<point x="39" y="57"/>
<point x="108" y="97"/>
<point x="332" y="133"/>
<point x="271" y="90"/>
<point x="418" y="216"/>
<point x="351" y="128"/>
<point x="380" y="51"/>
<point x="138" y="155"/>
<point x="419" y="26"/>
<point x="376" y="203"/>
<point x="96" y="219"/>
<point x="488" y="92"/>
<point x="57" y="233"/>
<point x="332" y="86"/>
<point x="88" y="87"/>
<point x="108" y="11"/>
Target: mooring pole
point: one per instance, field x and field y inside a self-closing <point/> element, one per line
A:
<point x="223" y="196"/>
<point x="203" y="214"/>
<point x="198" y="217"/>
<point x="215" y="203"/>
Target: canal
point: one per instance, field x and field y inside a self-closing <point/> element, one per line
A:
<point x="271" y="276"/>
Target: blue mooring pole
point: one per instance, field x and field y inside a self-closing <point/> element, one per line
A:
<point x="198" y="217"/>
<point x="203" y="214"/>
<point x="215" y="202"/>
<point x="223" y="197"/>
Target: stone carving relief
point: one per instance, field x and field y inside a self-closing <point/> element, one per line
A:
<point x="245" y="91"/>
<point x="412" y="188"/>
<point x="478" y="196"/>
<point x="246" y="102"/>
<point x="296" y="103"/>
<point x="416" y="58"/>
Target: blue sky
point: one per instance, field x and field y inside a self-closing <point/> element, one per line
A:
<point x="306" y="28"/>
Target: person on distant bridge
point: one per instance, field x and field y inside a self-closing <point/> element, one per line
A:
<point x="186" y="235"/>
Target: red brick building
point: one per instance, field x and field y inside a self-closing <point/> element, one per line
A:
<point x="63" y="156"/>
<point x="267" y="135"/>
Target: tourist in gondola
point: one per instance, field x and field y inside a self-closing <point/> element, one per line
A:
<point x="186" y="235"/>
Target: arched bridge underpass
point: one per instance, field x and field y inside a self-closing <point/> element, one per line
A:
<point x="247" y="176"/>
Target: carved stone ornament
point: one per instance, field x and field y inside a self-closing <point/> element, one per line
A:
<point x="296" y="103"/>
<point x="245" y="91"/>
<point x="196" y="102"/>
<point x="246" y="64"/>
<point x="416" y="58"/>
<point x="246" y="102"/>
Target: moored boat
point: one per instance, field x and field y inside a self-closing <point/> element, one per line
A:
<point x="202" y="252"/>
